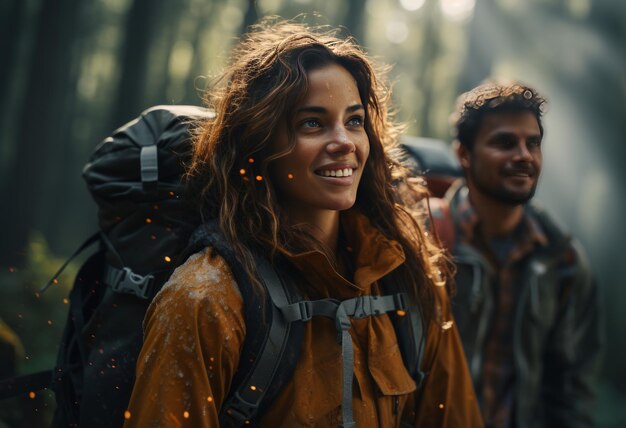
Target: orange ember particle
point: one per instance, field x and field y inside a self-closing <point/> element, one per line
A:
<point x="259" y="178"/>
<point x="171" y="193"/>
<point x="31" y="395"/>
<point x="209" y="399"/>
<point x="153" y="237"/>
<point x="127" y="414"/>
<point x="56" y="281"/>
<point x="148" y="220"/>
<point x="253" y="388"/>
<point x="251" y="160"/>
<point x="168" y="259"/>
<point x="37" y="295"/>
<point x="441" y="406"/>
<point x="186" y="414"/>
<point x="65" y="301"/>
<point x="290" y="176"/>
<point x="400" y="312"/>
<point x="49" y="322"/>
<point x="242" y="171"/>
<point x="12" y="269"/>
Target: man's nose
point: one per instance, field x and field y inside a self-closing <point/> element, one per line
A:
<point x="522" y="152"/>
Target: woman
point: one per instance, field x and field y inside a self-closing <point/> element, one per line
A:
<point x="295" y="166"/>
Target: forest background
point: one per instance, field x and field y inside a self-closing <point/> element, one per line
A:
<point x="72" y="71"/>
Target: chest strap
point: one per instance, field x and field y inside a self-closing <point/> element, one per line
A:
<point x="341" y="312"/>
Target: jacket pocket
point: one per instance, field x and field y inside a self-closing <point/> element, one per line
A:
<point x="394" y="384"/>
<point x="390" y="374"/>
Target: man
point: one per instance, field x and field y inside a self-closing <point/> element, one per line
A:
<point x="526" y="306"/>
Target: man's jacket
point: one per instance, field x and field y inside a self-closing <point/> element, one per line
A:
<point x="556" y="327"/>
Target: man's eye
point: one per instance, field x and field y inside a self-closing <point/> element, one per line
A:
<point x="534" y="143"/>
<point x="505" y="142"/>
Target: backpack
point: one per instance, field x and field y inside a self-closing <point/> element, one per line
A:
<point x="435" y="161"/>
<point x="146" y="230"/>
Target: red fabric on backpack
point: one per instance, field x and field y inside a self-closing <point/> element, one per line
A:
<point x="443" y="225"/>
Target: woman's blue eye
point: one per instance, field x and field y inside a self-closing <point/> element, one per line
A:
<point x="310" y="123"/>
<point x="356" y="121"/>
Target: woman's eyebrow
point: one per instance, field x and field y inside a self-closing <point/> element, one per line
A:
<point x="316" y="109"/>
<point x="355" y="107"/>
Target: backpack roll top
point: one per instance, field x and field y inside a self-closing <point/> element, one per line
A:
<point x="136" y="178"/>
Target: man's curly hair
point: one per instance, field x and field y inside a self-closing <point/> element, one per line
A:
<point x="493" y="96"/>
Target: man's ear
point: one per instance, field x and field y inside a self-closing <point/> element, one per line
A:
<point x="462" y="153"/>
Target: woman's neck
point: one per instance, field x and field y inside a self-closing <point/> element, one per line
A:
<point x="324" y="226"/>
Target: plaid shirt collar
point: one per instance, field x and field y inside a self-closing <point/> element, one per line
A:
<point x="528" y="234"/>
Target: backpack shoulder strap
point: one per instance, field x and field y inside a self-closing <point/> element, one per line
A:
<point x="410" y="333"/>
<point x="271" y="342"/>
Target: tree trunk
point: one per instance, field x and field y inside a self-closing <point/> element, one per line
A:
<point x="354" y="19"/>
<point x="41" y="126"/>
<point x="141" y="27"/>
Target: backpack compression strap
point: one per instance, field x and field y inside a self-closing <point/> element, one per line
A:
<point x="341" y="311"/>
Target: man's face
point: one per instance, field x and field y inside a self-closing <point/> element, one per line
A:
<point x="505" y="162"/>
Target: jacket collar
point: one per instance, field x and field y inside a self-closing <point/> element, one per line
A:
<point x="373" y="256"/>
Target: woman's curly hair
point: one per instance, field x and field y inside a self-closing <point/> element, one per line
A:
<point x="258" y="93"/>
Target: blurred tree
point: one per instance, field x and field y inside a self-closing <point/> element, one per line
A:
<point x="12" y="13"/>
<point x="41" y="126"/>
<point x="252" y="16"/>
<point x="144" y="21"/>
<point x="353" y="19"/>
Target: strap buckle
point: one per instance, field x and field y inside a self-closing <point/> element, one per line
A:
<point x="240" y="410"/>
<point x="363" y="307"/>
<point x="133" y="283"/>
<point x="305" y="310"/>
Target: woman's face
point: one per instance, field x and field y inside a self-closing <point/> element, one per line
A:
<point x="322" y="173"/>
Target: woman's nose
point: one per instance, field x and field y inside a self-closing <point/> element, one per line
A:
<point x="340" y="141"/>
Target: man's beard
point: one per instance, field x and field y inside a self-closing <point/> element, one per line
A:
<point x="500" y="193"/>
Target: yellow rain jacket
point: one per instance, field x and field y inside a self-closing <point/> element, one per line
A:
<point x="195" y="329"/>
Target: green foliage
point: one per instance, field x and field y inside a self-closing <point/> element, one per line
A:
<point x="31" y="323"/>
<point x="36" y="318"/>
